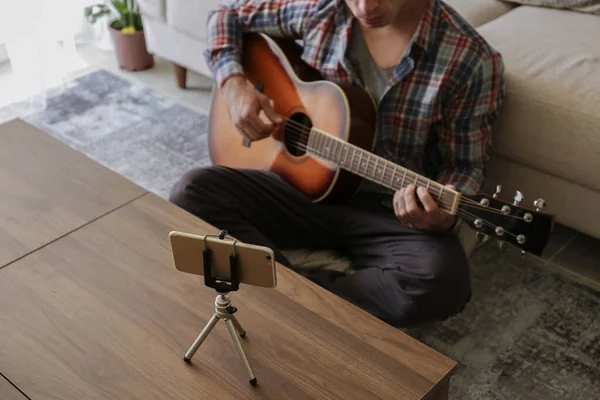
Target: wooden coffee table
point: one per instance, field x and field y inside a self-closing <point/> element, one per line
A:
<point x="91" y="305"/>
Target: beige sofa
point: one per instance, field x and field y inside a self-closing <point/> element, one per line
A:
<point x="547" y="141"/>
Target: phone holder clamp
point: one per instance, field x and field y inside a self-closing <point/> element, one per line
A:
<point x="220" y="285"/>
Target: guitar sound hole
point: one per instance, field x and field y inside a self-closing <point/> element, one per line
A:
<point x="295" y="134"/>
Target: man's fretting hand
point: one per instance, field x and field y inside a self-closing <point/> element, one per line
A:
<point x="427" y="218"/>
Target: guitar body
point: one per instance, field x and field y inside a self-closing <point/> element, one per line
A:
<point x="300" y="94"/>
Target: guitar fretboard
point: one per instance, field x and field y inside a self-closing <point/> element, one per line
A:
<point x="377" y="169"/>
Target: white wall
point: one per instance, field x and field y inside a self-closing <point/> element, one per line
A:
<point x="3" y="54"/>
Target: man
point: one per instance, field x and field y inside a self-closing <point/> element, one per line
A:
<point x="438" y="87"/>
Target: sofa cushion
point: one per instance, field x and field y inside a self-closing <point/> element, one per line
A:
<point x="551" y="117"/>
<point x="590" y="6"/>
<point x="153" y="8"/>
<point x="479" y="12"/>
<point x="189" y="16"/>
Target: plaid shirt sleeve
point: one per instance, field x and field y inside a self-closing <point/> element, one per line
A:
<point x="227" y="23"/>
<point x="467" y="126"/>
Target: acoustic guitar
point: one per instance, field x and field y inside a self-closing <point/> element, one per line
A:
<point x="324" y="147"/>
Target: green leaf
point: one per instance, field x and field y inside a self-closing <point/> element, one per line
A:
<point x="95" y="12"/>
<point x="121" y="6"/>
<point x="139" y="26"/>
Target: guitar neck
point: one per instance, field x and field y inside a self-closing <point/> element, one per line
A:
<point x="377" y="169"/>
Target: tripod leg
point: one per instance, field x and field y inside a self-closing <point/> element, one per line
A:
<point x="209" y="326"/>
<point x="238" y="326"/>
<point x="240" y="349"/>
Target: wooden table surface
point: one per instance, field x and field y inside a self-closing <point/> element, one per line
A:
<point x="8" y="391"/>
<point x="47" y="190"/>
<point x="102" y="313"/>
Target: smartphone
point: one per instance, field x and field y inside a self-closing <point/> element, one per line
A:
<point x="256" y="264"/>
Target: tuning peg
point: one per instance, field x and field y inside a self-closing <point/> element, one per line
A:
<point x="502" y="245"/>
<point x="539" y="204"/>
<point x="497" y="192"/>
<point x="518" y="198"/>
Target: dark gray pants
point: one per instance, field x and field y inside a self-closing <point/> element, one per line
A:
<point x="404" y="276"/>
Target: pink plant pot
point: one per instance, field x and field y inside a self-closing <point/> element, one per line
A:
<point x="131" y="50"/>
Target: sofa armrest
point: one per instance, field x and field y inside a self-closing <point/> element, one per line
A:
<point x="153" y="8"/>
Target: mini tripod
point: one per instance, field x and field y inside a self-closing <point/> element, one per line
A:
<point x="223" y="308"/>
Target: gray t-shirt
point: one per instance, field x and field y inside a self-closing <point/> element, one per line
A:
<point x="374" y="77"/>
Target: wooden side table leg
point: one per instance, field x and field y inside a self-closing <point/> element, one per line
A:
<point x="181" y="75"/>
<point x="441" y="392"/>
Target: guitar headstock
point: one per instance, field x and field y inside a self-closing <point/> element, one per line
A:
<point x="526" y="228"/>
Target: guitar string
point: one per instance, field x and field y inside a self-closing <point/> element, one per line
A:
<point x="302" y="132"/>
<point x="302" y="146"/>
<point x="461" y="212"/>
<point x="487" y="223"/>
<point x="441" y="202"/>
<point x="441" y="187"/>
<point x="301" y="129"/>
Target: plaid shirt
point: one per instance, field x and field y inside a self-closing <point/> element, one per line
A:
<point x="436" y="115"/>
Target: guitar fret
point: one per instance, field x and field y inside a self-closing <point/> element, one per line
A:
<point x="374" y="169"/>
<point x="359" y="161"/>
<point x="321" y="147"/>
<point x="394" y="175"/>
<point x="384" y="170"/>
<point x="440" y="195"/>
<point x="403" y="178"/>
<point x="338" y="144"/>
<point x="318" y="143"/>
<point x="333" y="147"/>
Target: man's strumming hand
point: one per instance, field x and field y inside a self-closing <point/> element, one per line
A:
<point x="430" y="217"/>
<point x="251" y="111"/>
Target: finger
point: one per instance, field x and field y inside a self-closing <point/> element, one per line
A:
<point x="395" y="203"/>
<point x="251" y="123"/>
<point x="400" y="208"/>
<point x="260" y="129"/>
<point x="245" y="125"/>
<point x="261" y="123"/>
<point x="428" y="203"/>
<point x="407" y="219"/>
<point x="398" y="203"/>
<point x="269" y="110"/>
<point x="410" y="202"/>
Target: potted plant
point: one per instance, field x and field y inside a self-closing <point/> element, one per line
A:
<point x="126" y="30"/>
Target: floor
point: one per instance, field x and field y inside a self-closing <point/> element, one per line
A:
<point x="569" y="252"/>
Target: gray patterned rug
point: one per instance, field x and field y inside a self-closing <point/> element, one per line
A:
<point x="527" y="334"/>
